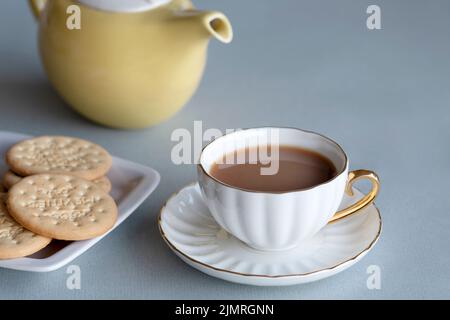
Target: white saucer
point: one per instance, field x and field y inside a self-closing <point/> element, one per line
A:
<point x="190" y="231"/>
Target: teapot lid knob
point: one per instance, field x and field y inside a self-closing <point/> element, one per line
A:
<point x="124" y="5"/>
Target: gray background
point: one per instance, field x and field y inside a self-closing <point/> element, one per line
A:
<point x="384" y="95"/>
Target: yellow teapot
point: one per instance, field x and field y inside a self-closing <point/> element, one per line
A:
<point x="126" y="64"/>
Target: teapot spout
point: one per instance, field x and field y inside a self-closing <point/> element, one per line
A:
<point x="217" y="25"/>
<point x="208" y="24"/>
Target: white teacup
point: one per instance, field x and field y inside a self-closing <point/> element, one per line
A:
<point x="279" y="220"/>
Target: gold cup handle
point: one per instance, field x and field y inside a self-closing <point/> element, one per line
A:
<point x="354" y="176"/>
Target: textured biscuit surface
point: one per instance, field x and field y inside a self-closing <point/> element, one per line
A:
<point x="58" y="154"/>
<point x="15" y="240"/>
<point x="62" y="207"/>
<point x="10" y="179"/>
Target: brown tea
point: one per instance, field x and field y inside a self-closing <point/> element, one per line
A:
<point x="298" y="168"/>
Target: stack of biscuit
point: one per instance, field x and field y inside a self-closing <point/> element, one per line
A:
<point x="56" y="188"/>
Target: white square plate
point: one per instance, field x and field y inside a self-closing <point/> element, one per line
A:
<point x="132" y="183"/>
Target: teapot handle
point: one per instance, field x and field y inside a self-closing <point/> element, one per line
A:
<point x="37" y="6"/>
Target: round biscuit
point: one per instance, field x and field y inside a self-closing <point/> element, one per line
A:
<point x="62" y="207"/>
<point x="58" y="154"/>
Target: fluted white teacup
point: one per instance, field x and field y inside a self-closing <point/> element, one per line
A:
<point x="279" y="220"/>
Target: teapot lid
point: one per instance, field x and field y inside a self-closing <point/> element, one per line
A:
<point x="124" y="5"/>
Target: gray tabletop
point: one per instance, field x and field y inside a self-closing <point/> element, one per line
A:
<point x="383" y="94"/>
